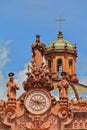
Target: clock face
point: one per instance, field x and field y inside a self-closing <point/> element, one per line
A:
<point x="37" y="102"/>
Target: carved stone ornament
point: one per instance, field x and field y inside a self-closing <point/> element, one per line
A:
<point x="38" y="77"/>
<point x="45" y="103"/>
<point x="64" y="112"/>
<point x="10" y="113"/>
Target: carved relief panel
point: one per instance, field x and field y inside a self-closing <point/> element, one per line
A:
<point x="79" y="121"/>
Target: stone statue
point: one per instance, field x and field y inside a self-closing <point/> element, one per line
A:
<point x="63" y="86"/>
<point x="12" y="87"/>
<point x="38" y="49"/>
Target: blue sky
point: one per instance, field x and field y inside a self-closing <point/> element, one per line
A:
<point x="21" y="20"/>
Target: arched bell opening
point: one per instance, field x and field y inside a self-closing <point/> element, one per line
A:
<point x="70" y="67"/>
<point x="49" y="64"/>
<point x="59" y="67"/>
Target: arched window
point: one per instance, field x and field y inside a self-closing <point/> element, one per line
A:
<point x="70" y="67"/>
<point x="59" y="67"/>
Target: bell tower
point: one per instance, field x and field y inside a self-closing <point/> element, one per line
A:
<point x="61" y="56"/>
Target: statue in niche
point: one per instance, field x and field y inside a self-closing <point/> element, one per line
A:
<point x="12" y="87"/>
<point x="63" y="87"/>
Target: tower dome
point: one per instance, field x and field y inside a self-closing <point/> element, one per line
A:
<point x="62" y="45"/>
<point x="61" y="56"/>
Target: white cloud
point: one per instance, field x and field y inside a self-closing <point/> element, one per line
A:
<point x="8" y="42"/>
<point x="20" y="77"/>
<point x="4" y="58"/>
<point x="2" y="87"/>
<point x="4" y="53"/>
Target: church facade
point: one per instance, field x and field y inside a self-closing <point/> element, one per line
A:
<point x="38" y="108"/>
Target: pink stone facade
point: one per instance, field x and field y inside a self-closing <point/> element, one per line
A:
<point x="36" y="108"/>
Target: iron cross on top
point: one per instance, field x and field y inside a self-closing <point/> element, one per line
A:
<point x="60" y="20"/>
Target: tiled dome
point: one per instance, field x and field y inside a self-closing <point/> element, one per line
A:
<point x="61" y="44"/>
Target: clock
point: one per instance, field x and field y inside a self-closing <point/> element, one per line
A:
<point x="37" y="101"/>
